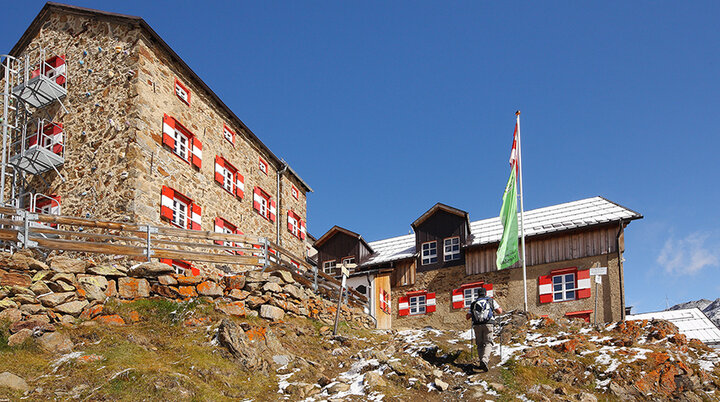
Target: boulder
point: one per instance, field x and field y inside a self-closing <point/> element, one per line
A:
<point x="93" y="293"/>
<point x="167" y="280"/>
<point x="373" y="379"/>
<point x="295" y="292"/>
<point x="24" y="299"/>
<point x="170" y="292"/>
<point x="441" y="385"/>
<point x="19" y="290"/>
<point x="209" y="288"/>
<point x="105" y="270"/>
<point x="10" y="380"/>
<point x="111" y="290"/>
<point x="39" y="317"/>
<point x="256" y="276"/>
<point x="43" y="275"/>
<point x="188" y="280"/>
<point x="234" y="282"/>
<point x="40" y="288"/>
<point x="284" y="275"/>
<point x="234" y="308"/>
<point x="15" y="279"/>
<point x="150" y="269"/>
<point x="272" y="287"/>
<point x="133" y="288"/>
<point x="338" y="387"/>
<point x="96" y="280"/>
<point x="113" y="319"/>
<point x="65" y="264"/>
<point x="250" y="355"/>
<point x="238" y="294"/>
<point x="10" y="315"/>
<point x="61" y="287"/>
<point x="32" y="308"/>
<point x="271" y="312"/>
<point x="73" y="308"/>
<point x="187" y="291"/>
<point x="32" y="325"/>
<point x="24" y="260"/>
<point x="7" y="303"/>
<point x="20" y="337"/>
<point x="255" y="301"/>
<point x="54" y="299"/>
<point x="55" y="342"/>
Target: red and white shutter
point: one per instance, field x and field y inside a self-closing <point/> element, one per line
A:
<point x="545" y="288"/>
<point x="257" y="198"/>
<point x="239" y="185"/>
<point x="381" y="300"/>
<point x="219" y="170"/>
<point x="292" y="222"/>
<point x="303" y="230"/>
<point x="458" y="298"/>
<point x="403" y="306"/>
<point x="430" y="302"/>
<point x="272" y="211"/>
<point x="583" y="284"/>
<point x="219" y="225"/>
<point x="238" y="231"/>
<point x="195" y="217"/>
<point x="196" y="152"/>
<point x="166" y="202"/>
<point x="489" y="290"/>
<point x="168" y="135"/>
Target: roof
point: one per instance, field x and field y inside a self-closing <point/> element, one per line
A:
<point x="690" y="322"/>
<point x="337" y="229"/>
<point x="439" y="207"/>
<point x="50" y="7"/>
<point x="555" y="218"/>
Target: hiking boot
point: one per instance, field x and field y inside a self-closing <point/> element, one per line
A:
<point x="483" y="366"/>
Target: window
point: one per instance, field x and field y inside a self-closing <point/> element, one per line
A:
<point x="348" y="260"/>
<point x="294" y="192"/>
<point x="296" y="225"/>
<point x="229" y="134"/>
<point x="182" y="92"/>
<point x="329" y="267"/>
<point x="563" y="287"/>
<point x="263" y="166"/>
<point x="417" y="304"/>
<point x="181" y="266"/>
<point x="463" y="296"/>
<point x="181" y="141"/>
<point x="263" y="204"/>
<point x="384" y="301"/>
<point x="429" y="252"/>
<point x="228" y="177"/>
<point x="223" y="226"/>
<point x="470" y="294"/>
<point x="452" y="249"/>
<point x="179" y="209"/>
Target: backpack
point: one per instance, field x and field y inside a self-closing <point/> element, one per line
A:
<point x="482" y="310"/>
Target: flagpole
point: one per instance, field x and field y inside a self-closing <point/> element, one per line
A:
<point x="522" y="209"/>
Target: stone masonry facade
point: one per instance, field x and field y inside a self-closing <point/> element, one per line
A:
<point x="121" y="82"/>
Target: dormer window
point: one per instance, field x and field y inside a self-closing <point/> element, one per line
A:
<point x="348" y="260"/>
<point x="429" y="253"/>
<point x="451" y="249"/>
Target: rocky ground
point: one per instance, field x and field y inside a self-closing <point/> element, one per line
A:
<point x="205" y="347"/>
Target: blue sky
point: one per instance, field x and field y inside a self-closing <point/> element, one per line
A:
<point x="386" y="108"/>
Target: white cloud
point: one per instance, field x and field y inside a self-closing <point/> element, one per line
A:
<point x="688" y="255"/>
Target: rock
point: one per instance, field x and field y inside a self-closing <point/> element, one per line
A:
<point x="20" y="337"/>
<point x="150" y="269"/>
<point x="284" y="275"/>
<point x="255" y="301"/>
<point x="238" y="294"/>
<point x="99" y="281"/>
<point x="93" y="293"/>
<point x="170" y="292"/>
<point x="187" y="291"/>
<point x="43" y="275"/>
<point x="7" y="303"/>
<point x="39" y="317"/>
<point x="24" y="299"/>
<point x="73" y="308"/>
<point x="24" y="260"/>
<point x="10" y="315"/>
<point x="91" y="311"/>
<point x="272" y="287"/>
<point x="561" y="390"/>
<point x="111" y="290"/>
<point x="441" y="385"/>
<point x="188" y="280"/>
<point x="323" y="381"/>
<point x="32" y="308"/>
<point x="61" y="287"/>
<point x="234" y="339"/>
<point x="235" y="308"/>
<point x="54" y="299"/>
<point x="110" y="319"/>
<point x="134" y="316"/>
<point x="496" y="386"/>
<point x="294" y="292"/>
<point x="437" y="373"/>
<point x="586" y="397"/>
<point x="271" y="312"/>
<point x="167" y="280"/>
<point x="40" y="288"/>
<point x="132" y="288"/>
<point x="234" y="282"/>
<point x="105" y="270"/>
<point x="256" y="276"/>
<point x="34" y="326"/>
<point x="15" y="279"/>
<point x="55" y="342"/>
<point x="209" y="288"/>
<point x="380" y="356"/>
<point x="10" y="380"/>
<point x="373" y="379"/>
<point x="252" y="286"/>
<point x="19" y="291"/>
<point x="65" y="264"/>
<point x="398" y="367"/>
<point x="338" y="387"/>
<point x="282" y="360"/>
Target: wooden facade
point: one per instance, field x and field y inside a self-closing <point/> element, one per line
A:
<point x="404" y="273"/>
<point x="437" y="227"/>
<point x="548" y="249"/>
<point x="339" y="244"/>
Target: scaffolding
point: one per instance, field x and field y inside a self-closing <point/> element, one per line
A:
<point x="32" y="142"/>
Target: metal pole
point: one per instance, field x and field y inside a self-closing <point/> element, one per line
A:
<point x="340" y="297"/>
<point x="522" y="210"/>
<point x="596" y="297"/>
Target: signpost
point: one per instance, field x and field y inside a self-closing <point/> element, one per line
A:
<point x="344" y="269"/>
<point x="597" y="272"/>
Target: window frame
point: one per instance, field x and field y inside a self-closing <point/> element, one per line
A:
<point x="564" y="290"/>
<point x="420" y="304"/>
<point x="184" y="88"/>
<point x="294" y="192"/>
<point x="262" y="165"/>
<point x="455" y="255"/>
<point x="325" y="266"/>
<point x="350" y="257"/>
<point x="429" y="256"/>
<point x="475" y="290"/>
<point x="177" y="202"/>
<point x="226" y="131"/>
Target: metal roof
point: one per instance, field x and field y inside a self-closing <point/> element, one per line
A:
<point x="690" y="322"/>
<point x="555" y="218"/>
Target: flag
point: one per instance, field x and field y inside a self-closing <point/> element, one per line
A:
<point x="507" y="253"/>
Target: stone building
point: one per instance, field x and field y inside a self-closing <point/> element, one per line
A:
<point x="435" y="272"/>
<point x="140" y="137"/>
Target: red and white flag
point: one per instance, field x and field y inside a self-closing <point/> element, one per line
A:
<point x="513" y="151"/>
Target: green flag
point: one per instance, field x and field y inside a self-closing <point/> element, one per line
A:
<point x="507" y="253"/>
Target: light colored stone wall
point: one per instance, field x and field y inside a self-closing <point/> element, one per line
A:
<point x="508" y="291"/>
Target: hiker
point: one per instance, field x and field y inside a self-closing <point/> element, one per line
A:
<point x="482" y="311"/>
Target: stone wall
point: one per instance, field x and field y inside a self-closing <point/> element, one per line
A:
<point x="508" y="291"/>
